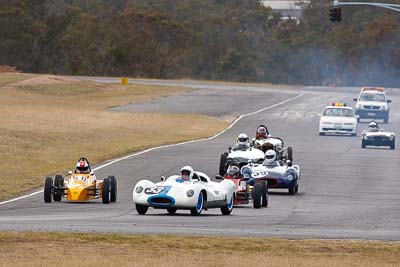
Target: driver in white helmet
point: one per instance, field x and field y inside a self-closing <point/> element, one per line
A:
<point x="373" y="127"/>
<point x="242" y="142"/>
<point x="271" y="158"/>
<point x="187" y="173"/>
<point x="82" y="166"/>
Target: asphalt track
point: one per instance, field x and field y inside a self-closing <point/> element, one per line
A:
<point x="345" y="191"/>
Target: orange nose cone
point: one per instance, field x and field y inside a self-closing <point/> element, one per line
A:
<point x="77" y="194"/>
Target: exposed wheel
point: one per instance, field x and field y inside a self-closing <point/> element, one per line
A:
<point x="290" y="153"/>
<point x="48" y="186"/>
<point x="392" y="144"/>
<point x="58" y="185"/>
<point x="257" y="193"/>
<point x="199" y="206"/>
<point x="264" y="194"/>
<point x="113" y="188"/>
<point x="363" y="144"/>
<point x="292" y="190"/>
<point x="141" y="209"/>
<point x="172" y="210"/>
<point x="386" y="118"/>
<point x="222" y="162"/>
<point x="229" y="207"/>
<point x="106" y="191"/>
<point x="296" y="189"/>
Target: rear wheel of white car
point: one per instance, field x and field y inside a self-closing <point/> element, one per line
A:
<point x="113" y="188"/>
<point x="392" y="144"/>
<point x="58" y="184"/>
<point x="141" y="209"/>
<point x="172" y="210"/>
<point x="106" y="191"/>
<point x="264" y="192"/>
<point x="48" y="186"/>
<point x="257" y="194"/>
<point x="199" y="206"/>
<point x="222" y="161"/>
<point x="229" y="207"/>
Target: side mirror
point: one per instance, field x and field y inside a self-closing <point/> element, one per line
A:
<point x="219" y="177"/>
<point x="162" y="178"/>
<point x="69" y="172"/>
<point x="389" y="101"/>
<point x="355" y="99"/>
<point x="91" y="172"/>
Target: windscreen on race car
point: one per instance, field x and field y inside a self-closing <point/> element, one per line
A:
<point x="340" y="112"/>
<point x="372" y="97"/>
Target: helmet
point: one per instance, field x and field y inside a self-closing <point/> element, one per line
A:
<point x="270" y="156"/>
<point x="262" y="130"/>
<point x="82" y="166"/>
<point x="243" y="139"/>
<point x="187" y="173"/>
<point x="233" y="171"/>
<point x="373" y="126"/>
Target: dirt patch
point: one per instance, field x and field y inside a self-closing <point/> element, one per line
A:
<point x="8" y="69"/>
<point x="45" y="80"/>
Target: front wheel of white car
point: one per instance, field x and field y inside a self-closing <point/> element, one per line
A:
<point x="172" y="210"/>
<point x="199" y="206"/>
<point x="229" y="207"/>
<point x="141" y="209"/>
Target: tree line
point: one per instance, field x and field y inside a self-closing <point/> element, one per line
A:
<point x="236" y="40"/>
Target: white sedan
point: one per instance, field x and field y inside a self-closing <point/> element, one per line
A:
<point x="338" y="119"/>
<point x="175" y="193"/>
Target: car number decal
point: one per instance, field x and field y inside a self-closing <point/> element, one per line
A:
<point x="154" y="190"/>
<point x="80" y="178"/>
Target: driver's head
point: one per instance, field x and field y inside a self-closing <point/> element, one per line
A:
<point x="82" y="166"/>
<point x="243" y="139"/>
<point x="233" y="171"/>
<point x="187" y="173"/>
<point x="261" y="131"/>
<point x="270" y="156"/>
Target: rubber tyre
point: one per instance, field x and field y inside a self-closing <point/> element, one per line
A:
<point x="292" y="190"/>
<point x="48" y="186"/>
<point x="296" y="189"/>
<point x="363" y="144"/>
<point x="386" y="118"/>
<point x="222" y="161"/>
<point x="172" y="210"/>
<point x="393" y="144"/>
<point x="264" y="192"/>
<point x="106" y="191"/>
<point x="290" y="153"/>
<point x="257" y="194"/>
<point x="113" y="188"/>
<point x="141" y="210"/>
<point x="229" y="207"/>
<point x="199" y="206"/>
<point x="321" y="134"/>
<point x="58" y="183"/>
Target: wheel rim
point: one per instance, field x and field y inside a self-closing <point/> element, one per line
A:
<point x="199" y="205"/>
<point x="230" y="204"/>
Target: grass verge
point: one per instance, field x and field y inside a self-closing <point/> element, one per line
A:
<point x="47" y="122"/>
<point x="75" y="249"/>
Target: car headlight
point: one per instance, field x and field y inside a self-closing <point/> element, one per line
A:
<point x="290" y="177"/>
<point x="190" y="193"/>
<point x="139" y="189"/>
<point x="358" y="106"/>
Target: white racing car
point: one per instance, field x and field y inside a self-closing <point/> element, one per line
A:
<point x="375" y="137"/>
<point x="338" y="119"/>
<point x="191" y="190"/>
<point x="241" y="154"/>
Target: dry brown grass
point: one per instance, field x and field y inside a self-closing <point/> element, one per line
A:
<point x="47" y="122"/>
<point x="62" y="249"/>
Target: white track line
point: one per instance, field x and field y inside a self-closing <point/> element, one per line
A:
<point x="178" y="144"/>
